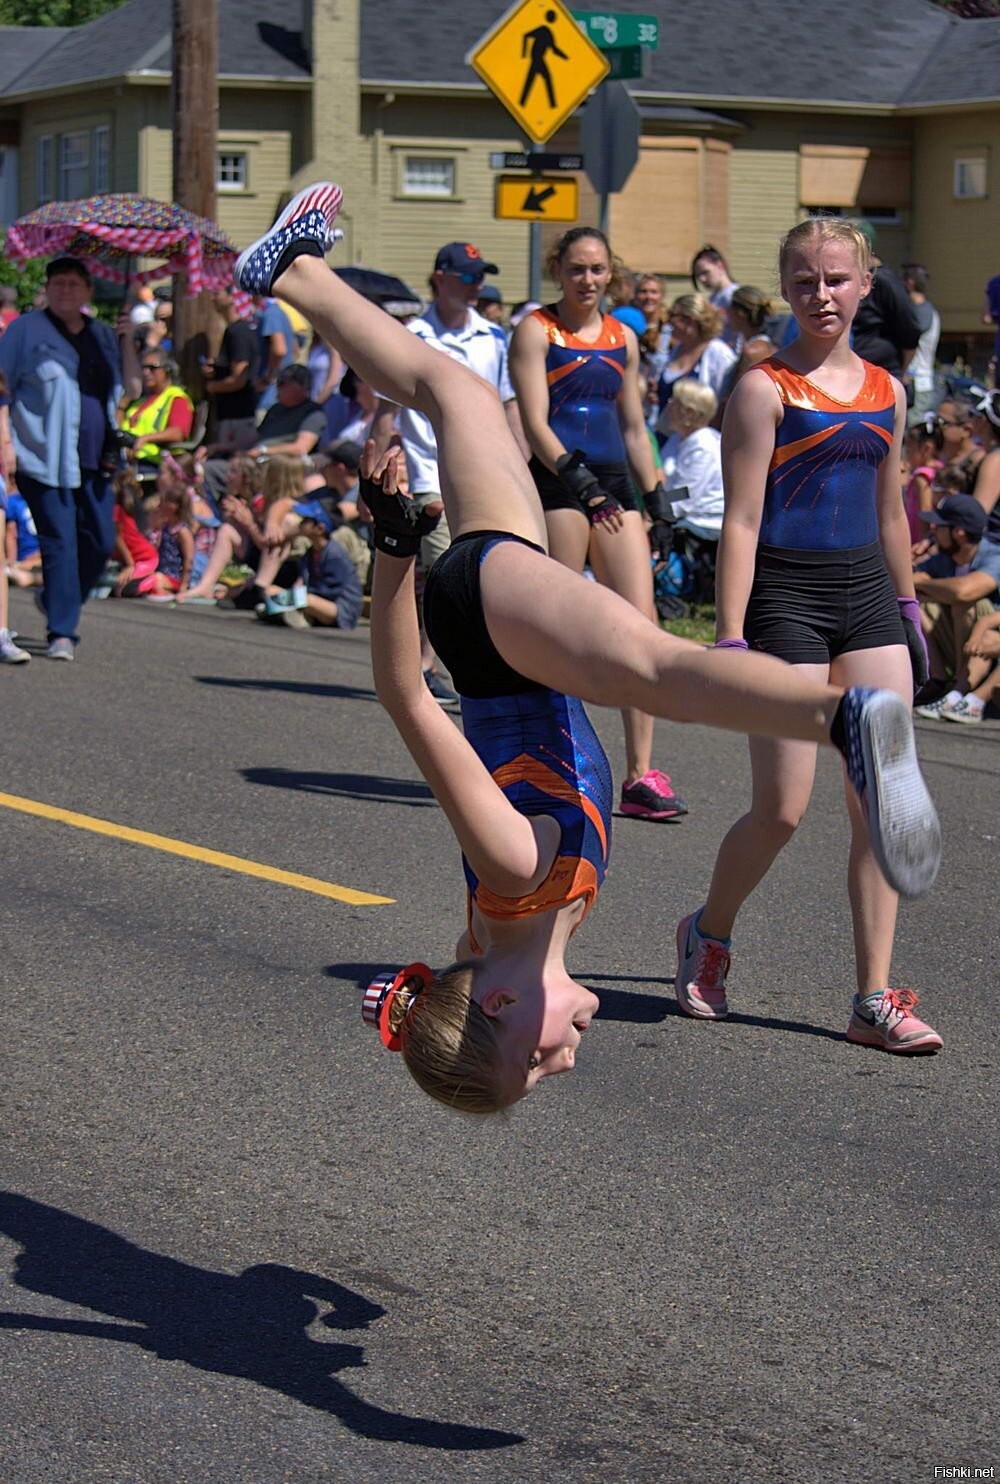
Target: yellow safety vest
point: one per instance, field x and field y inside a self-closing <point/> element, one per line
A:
<point x="152" y="417"/>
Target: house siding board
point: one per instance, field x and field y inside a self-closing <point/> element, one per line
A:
<point x="957" y="240"/>
<point x="763" y="205"/>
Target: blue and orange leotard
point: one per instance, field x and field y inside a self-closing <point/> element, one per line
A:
<point x="584" y="379"/>
<point x="822" y="479"/>
<point x="544" y="755"/>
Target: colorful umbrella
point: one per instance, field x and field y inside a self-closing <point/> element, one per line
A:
<point x="107" y="231"/>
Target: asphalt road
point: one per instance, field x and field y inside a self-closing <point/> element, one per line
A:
<point x="237" y="1244"/>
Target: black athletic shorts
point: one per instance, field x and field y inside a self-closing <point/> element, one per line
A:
<point x="456" y="625"/>
<point x="807" y="607"/>
<point x="614" y="478"/>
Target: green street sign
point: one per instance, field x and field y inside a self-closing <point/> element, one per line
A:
<point x="611" y="29"/>
<point x="626" y="61"/>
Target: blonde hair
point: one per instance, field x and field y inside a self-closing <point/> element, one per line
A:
<point x="705" y="315"/>
<point x="696" y="397"/>
<point x="284" y="478"/>
<point x="825" y="229"/>
<point x="249" y="475"/>
<point x="449" y="1043"/>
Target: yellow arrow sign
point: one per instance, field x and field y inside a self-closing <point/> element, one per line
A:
<point x="537" y="198"/>
<point x="540" y="65"/>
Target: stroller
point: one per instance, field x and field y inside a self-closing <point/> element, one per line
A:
<point x="684" y="576"/>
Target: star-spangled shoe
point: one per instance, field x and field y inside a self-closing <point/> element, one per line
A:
<point x="882" y="765"/>
<point x="308" y="217"/>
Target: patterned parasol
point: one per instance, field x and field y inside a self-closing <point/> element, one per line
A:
<point x="107" y="231"/>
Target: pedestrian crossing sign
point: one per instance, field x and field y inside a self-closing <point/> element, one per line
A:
<point x="540" y="64"/>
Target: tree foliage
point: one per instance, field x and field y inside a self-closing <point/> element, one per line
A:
<point x="27" y="279"/>
<point x="53" y="12"/>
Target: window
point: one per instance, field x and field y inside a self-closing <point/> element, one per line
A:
<point x="231" y="171"/>
<point x="970" y="178"/>
<point x="74" y="165"/>
<point x="426" y="175"/>
<point x="45" y="182"/>
<point x="102" y="158"/>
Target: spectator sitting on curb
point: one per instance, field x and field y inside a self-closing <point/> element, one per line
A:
<point x="334" y="596"/>
<point x="956" y="587"/>
<point x="984" y="643"/>
<point x="293" y="426"/>
<point x="340" y="464"/>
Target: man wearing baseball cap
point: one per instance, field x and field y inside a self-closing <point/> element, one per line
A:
<point x="956" y="586"/>
<point x="452" y="325"/>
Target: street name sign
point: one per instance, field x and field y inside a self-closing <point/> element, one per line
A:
<point x="525" y="160"/>
<point x="540" y="64"/>
<point x="541" y="198"/>
<point x="609" y="29"/>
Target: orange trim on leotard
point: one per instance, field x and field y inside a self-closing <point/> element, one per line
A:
<point x="790" y="450"/>
<point x="796" y="390"/>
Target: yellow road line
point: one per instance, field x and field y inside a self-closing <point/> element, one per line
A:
<point x="193" y="852"/>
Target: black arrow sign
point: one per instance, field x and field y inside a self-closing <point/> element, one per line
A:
<point x="535" y="199"/>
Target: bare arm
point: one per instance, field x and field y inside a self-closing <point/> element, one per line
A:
<point x="527" y="372"/>
<point x="987" y="489"/>
<point x="512" y="413"/>
<point x="633" y="423"/>
<point x="966" y="589"/>
<point x="893" y="527"/>
<point x="383" y="425"/>
<point x="298" y="447"/>
<point x="239" y="375"/>
<point x="185" y="540"/>
<point x="748" y="433"/>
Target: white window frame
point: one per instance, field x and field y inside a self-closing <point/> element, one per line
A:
<point x="971" y="164"/>
<point x="409" y="184"/>
<point x="45" y="156"/>
<point x="74" y="167"/>
<point x="239" y="182"/>
<point x="101" y="156"/>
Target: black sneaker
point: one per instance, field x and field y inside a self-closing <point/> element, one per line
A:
<point x="441" y="692"/>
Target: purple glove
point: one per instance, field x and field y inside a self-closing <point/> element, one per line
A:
<point x="909" y="612"/>
<point x="730" y="644"/>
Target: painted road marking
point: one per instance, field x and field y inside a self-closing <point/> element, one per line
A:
<point x="194" y="852"/>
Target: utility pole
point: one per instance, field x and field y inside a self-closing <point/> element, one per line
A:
<point x="195" y="110"/>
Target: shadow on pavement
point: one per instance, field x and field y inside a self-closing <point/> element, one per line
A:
<point x="369" y="786"/>
<point x="252" y="1324"/>
<point x="293" y="687"/>
<point x="619" y="1004"/>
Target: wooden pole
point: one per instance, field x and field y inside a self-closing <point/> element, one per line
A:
<point x="195" y="109"/>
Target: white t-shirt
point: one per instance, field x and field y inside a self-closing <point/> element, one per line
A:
<point x="697" y="462"/>
<point x="480" y="346"/>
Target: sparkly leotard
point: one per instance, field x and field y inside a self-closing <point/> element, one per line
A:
<point x="584" y="379"/>
<point x="821" y="483"/>
<point x="538" y="744"/>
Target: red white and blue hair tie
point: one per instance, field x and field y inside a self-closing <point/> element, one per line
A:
<point x="381" y="993"/>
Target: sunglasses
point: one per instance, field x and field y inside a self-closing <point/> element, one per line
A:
<point x="467" y="278"/>
<point x="150" y="366"/>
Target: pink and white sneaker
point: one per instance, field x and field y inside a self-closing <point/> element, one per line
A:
<point x="886" y="1020"/>
<point x="652" y="797"/>
<point x="308" y="219"/>
<point x="702" y="966"/>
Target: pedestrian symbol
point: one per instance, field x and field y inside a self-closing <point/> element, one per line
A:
<point x="540" y="65"/>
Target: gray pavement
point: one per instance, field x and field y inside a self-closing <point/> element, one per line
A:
<point x="236" y="1244"/>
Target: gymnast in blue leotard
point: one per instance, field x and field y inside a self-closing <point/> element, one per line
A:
<point x="576" y="374"/>
<point x="813" y="568"/>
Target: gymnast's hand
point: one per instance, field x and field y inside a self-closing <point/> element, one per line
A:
<point x="600" y="507"/>
<point x="399" y="524"/>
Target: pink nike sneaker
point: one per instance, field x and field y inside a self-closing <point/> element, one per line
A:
<point x="652" y="797"/>
<point x="702" y="966"/>
<point x="886" y="1020"/>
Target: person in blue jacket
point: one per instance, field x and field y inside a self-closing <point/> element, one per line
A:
<point x="63" y="371"/>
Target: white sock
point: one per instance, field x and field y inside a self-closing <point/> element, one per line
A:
<point x="975" y="703"/>
<point x="953" y="697"/>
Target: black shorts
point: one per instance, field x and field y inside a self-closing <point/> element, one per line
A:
<point x="456" y="625"/>
<point x="614" y="478"/>
<point x="807" y="607"/>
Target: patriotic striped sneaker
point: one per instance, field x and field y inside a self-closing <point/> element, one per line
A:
<point x="307" y="219"/>
<point x="652" y="797"/>
<point x="702" y="966"/>
<point x="881" y="759"/>
<point x="886" y="1020"/>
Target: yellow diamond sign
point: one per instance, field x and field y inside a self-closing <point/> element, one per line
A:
<point x="540" y="64"/>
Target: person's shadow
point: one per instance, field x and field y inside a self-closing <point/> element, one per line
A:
<point x="253" y="1324"/>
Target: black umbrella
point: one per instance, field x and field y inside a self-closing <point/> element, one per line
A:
<point x="389" y="292"/>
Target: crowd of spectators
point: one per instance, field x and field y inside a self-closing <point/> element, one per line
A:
<point x="244" y="491"/>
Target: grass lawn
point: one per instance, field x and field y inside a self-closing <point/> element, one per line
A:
<point x="700" y="626"/>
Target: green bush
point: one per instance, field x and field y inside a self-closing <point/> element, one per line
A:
<point x="27" y="278"/>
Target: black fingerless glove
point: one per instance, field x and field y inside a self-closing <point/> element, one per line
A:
<point x="399" y="525"/>
<point x="657" y="507"/>
<point x="597" y="505"/>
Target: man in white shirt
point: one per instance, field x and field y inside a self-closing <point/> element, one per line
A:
<point x="921" y="367"/>
<point x="451" y="324"/>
